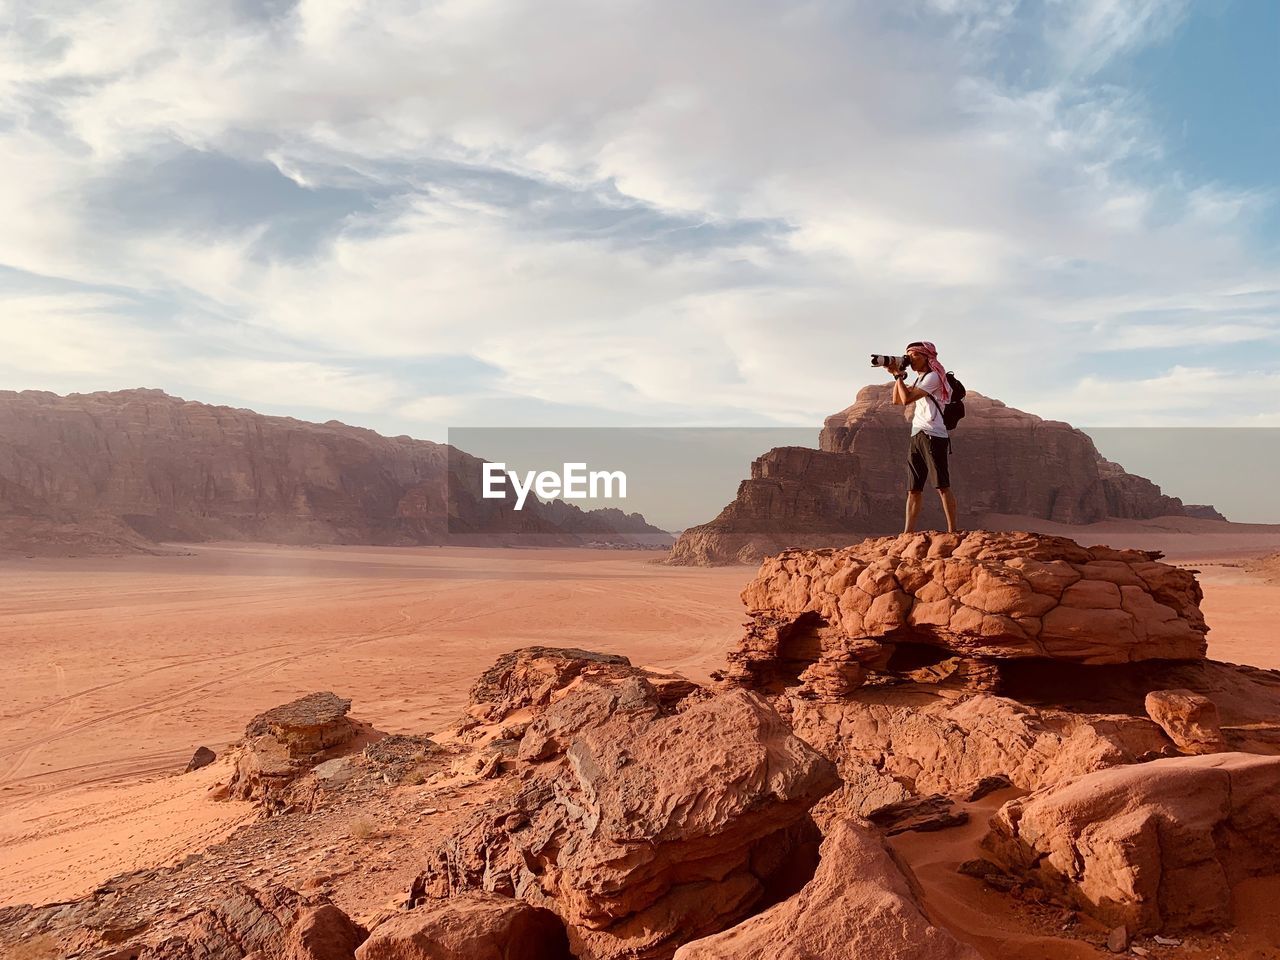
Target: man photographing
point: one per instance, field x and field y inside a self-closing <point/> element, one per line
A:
<point x="929" y="438"/>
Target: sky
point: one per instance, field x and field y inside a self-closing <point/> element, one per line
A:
<point x="413" y="216"/>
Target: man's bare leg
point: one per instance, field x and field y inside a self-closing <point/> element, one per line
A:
<point x="913" y="510"/>
<point x="948" y="507"/>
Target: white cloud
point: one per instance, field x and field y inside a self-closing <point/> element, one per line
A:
<point x="916" y="188"/>
<point x="296" y="383"/>
<point x="1183" y="396"/>
<point x="68" y="334"/>
<point x="437" y="408"/>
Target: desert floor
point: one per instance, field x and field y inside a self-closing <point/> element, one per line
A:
<point x="116" y="669"/>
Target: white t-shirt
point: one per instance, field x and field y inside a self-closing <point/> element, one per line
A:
<point x="928" y="415"/>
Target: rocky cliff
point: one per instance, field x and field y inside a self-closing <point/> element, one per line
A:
<point x="119" y="470"/>
<point x="1004" y="461"/>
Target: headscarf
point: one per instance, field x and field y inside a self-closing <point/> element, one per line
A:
<point x="931" y="354"/>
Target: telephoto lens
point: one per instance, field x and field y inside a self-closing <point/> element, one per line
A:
<point x="884" y="359"/>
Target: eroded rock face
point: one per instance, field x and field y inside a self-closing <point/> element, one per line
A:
<point x="1190" y="720"/>
<point x="923" y="664"/>
<point x="1007" y="462"/>
<point x="936" y="744"/>
<point x="1154" y="847"/>
<point x="828" y="617"/>
<point x="476" y="926"/>
<point x="860" y="903"/>
<point x="116" y="471"/>
<point x="641" y="822"/>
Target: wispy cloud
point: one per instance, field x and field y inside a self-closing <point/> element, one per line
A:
<point x="700" y="213"/>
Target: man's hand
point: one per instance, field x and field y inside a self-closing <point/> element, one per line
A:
<point x="892" y="367"/>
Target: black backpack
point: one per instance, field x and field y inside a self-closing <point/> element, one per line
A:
<point x="953" y="412"/>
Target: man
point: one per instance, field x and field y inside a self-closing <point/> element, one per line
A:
<point x="929" y="444"/>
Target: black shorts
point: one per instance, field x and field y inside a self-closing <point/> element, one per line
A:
<point x="928" y="454"/>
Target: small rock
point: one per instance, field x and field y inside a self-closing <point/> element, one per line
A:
<point x="335" y="772"/>
<point x="1139" y="951"/>
<point x="1118" y="940"/>
<point x="1167" y="941"/>
<point x="1190" y="719"/>
<point x="989" y="873"/>
<point x="925" y="814"/>
<point x="201" y="758"/>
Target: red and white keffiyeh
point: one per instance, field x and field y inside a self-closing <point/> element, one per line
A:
<point x="931" y="354"/>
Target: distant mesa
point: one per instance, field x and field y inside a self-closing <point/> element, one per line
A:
<point x="1202" y="511"/>
<point x="126" y="470"/>
<point x="1006" y="462"/>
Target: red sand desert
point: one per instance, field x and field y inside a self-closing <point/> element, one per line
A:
<point x="118" y="668"/>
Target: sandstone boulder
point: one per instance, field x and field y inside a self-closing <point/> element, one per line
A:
<point x="959" y="605"/>
<point x="860" y="903"/>
<point x="307" y="725"/>
<point x="1190" y="719"/>
<point x="200" y="759"/>
<point x="476" y="926"/>
<point x="322" y="932"/>
<point x="640" y="822"/>
<point x="933" y="744"/>
<point x="285" y="742"/>
<point x="1154" y="847"/>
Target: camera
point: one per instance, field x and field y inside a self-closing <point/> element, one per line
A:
<point x="883" y="360"/>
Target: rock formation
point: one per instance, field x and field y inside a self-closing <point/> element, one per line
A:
<point x="117" y="471"/>
<point x="285" y="742"/>
<point x="932" y="661"/>
<point x="921" y="620"/>
<point x="1005" y="461"/>
<point x="924" y="665"/>
<point x="1153" y="848"/>
<point x="860" y="903"/>
<point x="960" y="605"/>
<point x="1202" y="511"/>
<point x="306" y="725"/>
<point x="634" y="852"/>
<point x="583" y="806"/>
<point x="929" y="743"/>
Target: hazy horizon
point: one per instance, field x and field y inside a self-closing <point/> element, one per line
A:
<point x="1159" y="454"/>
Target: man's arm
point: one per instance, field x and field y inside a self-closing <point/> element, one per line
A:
<point x="909" y="394"/>
<point x="902" y="394"/>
